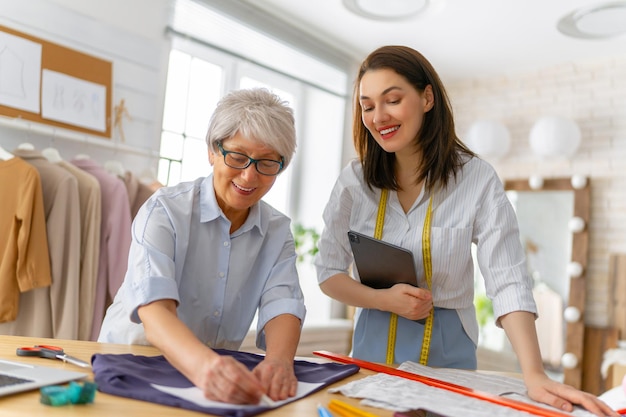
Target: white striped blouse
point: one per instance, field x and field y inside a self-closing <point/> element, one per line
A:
<point x="472" y="209"/>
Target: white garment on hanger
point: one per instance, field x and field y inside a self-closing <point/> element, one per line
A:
<point x="52" y="155"/>
<point x="5" y="155"/>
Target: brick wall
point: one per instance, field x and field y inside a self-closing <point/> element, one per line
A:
<point x="594" y="95"/>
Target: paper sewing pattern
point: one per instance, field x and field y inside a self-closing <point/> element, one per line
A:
<point x="73" y="101"/>
<point x="400" y="394"/>
<point x="196" y="396"/>
<point x="20" y="69"/>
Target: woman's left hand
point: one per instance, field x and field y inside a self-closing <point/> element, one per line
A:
<point x="277" y="377"/>
<point x="545" y="390"/>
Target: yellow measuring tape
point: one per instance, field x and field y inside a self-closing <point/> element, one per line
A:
<point x="428" y="272"/>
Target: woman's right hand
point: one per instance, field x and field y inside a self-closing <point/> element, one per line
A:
<point x="223" y="378"/>
<point x="407" y="301"/>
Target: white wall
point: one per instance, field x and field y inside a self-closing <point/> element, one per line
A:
<point x="594" y="95"/>
<point x="131" y="35"/>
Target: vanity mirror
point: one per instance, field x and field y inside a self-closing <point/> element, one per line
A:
<point x="553" y="215"/>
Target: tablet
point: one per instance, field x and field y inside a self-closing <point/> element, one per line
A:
<point x="381" y="264"/>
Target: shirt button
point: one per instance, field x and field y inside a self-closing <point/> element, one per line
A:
<point x="221" y="275"/>
<point x="216" y="313"/>
<point x="226" y="243"/>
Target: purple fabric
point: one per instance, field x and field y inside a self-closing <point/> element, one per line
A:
<point x="132" y="375"/>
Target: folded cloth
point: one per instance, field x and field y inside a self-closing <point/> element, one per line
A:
<point x="153" y="379"/>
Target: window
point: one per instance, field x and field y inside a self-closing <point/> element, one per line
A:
<point x="218" y="55"/>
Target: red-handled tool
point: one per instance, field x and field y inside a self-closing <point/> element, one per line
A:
<point x="459" y="389"/>
<point x="50" y="352"/>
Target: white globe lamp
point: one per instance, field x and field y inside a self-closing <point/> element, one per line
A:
<point x="554" y="136"/>
<point x="489" y="139"/>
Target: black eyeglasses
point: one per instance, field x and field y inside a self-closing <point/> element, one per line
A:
<point x="239" y="160"/>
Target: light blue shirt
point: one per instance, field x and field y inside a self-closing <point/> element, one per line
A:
<point x="182" y="250"/>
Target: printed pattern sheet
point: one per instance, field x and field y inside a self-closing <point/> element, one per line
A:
<point x="401" y="394"/>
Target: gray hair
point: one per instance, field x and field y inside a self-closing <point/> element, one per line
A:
<point x="257" y="114"/>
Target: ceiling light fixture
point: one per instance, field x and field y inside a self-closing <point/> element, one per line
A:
<point x="388" y="9"/>
<point x="602" y="21"/>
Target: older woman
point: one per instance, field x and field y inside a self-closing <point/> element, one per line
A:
<point x="207" y="254"/>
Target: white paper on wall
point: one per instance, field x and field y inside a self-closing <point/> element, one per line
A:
<point x="20" y="69"/>
<point x="73" y="101"/>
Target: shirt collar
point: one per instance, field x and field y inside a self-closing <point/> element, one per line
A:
<point x="210" y="210"/>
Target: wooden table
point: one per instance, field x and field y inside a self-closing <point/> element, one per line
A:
<point x="105" y="405"/>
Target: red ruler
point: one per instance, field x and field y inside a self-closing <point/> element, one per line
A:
<point x="470" y="392"/>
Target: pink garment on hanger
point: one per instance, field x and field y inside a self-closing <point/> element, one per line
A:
<point x="114" y="238"/>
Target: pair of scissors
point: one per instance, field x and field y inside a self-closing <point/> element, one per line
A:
<point x="50" y="352"/>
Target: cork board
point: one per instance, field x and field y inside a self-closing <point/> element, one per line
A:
<point x="84" y="106"/>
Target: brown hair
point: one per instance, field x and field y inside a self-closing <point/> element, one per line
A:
<point x="442" y="150"/>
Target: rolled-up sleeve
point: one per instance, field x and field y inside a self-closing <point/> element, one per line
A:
<point x="502" y="260"/>
<point x="151" y="272"/>
<point x="282" y="293"/>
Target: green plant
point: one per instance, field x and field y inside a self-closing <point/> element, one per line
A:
<point x="305" y="239"/>
<point x="484" y="309"/>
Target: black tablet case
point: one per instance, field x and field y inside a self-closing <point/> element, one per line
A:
<point x="380" y="264"/>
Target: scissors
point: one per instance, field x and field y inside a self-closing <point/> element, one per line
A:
<point x="50" y="352"/>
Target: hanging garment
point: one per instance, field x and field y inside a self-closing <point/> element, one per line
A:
<point x="153" y="379"/>
<point x="24" y="256"/>
<point x="114" y="238"/>
<point x="53" y="311"/>
<point x="138" y="192"/>
<point x="90" y="219"/>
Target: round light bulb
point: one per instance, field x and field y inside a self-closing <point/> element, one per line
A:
<point x="576" y="224"/>
<point x="554" y="136"/>
<point x="571" y="314"/>
<point x="574" y="269"/>
<point x="569" y="360"/>
<point x="535" y="182"/>
<point x="488" y="138"/>
<point x="579" y="182"/>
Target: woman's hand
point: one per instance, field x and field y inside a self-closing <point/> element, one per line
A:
<point x="407" y="301"/>
<point x="223" y="378"/>
<point x="545" y="390"/>
<point x="277" y="378"/>
<point x="520" y="328"/>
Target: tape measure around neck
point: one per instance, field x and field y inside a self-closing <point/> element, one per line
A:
<point x="428" y="274"/>
<point x="428" y="271"/>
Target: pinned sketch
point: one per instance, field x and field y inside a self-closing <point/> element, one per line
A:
<point x="20" y="66"/>
<point x="73" y="101"/>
